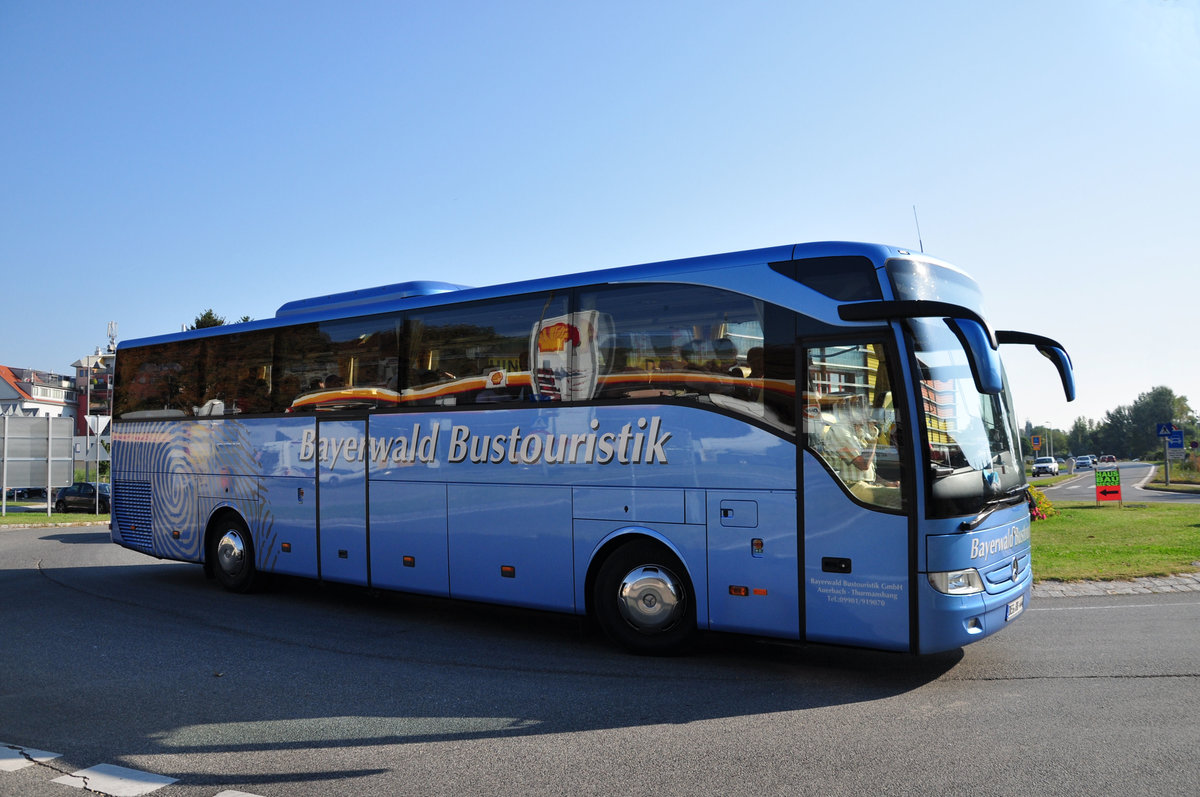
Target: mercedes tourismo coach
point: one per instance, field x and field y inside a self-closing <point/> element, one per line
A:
<point x="811" y="442"/>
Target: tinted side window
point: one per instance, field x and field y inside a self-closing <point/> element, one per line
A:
<point x="693" y="344"/>
<point x="237" y="374"/>
<point x="164" y="380"/>
<point x="846" y="278"/>
<point x="352" y="363"/>
<point x="477" y="353"/>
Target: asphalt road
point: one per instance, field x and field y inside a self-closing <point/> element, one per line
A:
<point x="1134" y="475"/>
<point x="108" y="657"/>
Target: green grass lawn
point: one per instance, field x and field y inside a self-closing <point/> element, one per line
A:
<point x="1085" y="541"/>
<point x="39" y="517"/>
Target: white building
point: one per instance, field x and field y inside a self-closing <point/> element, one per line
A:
<point x="36" y="394"/>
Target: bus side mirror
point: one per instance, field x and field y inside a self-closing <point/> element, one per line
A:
<point x="968" y="326"/>
<point x="984" y="359"/>
<point x="1051" y="350"/>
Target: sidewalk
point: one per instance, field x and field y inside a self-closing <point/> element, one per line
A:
<point x="1188" y="582"/>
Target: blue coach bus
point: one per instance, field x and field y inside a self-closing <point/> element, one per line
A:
<point x="811" y="442"/>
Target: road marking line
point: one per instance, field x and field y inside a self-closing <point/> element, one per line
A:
<point x="14" y="757"/>
<point x="1094" y="608"/>
<point x="114" y="780"/>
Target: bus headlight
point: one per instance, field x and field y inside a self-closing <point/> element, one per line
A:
<point x="957" y="582"/>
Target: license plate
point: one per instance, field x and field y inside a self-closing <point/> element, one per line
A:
<point x="1014" y="608"/>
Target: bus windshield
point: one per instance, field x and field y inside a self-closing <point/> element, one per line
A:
<point x="974" y="458"/>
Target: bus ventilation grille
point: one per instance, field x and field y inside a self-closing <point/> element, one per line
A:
<point x="131" y="510"/>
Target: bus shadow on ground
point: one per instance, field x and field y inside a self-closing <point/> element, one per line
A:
<point x="384" y="669"/>
<point x="80" y="537"/>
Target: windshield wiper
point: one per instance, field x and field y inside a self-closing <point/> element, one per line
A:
<point x="1012" y="498"/>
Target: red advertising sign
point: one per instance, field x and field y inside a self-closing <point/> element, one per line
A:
<point x="1108" y="485"/>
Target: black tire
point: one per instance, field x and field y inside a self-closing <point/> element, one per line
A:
<point x="643" y="600"/>
<point x="60" y="507"/>
<point x="231" y="552"/>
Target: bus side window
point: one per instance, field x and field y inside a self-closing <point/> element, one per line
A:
<point x="697" y="345"/>
<point x="237" y="374"/>
<point x="162" y="380"/>
<point x="851" y="423"/>
<point x="476" y="353"/>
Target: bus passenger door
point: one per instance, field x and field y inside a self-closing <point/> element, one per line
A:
<point x="856" y="569"/>
<point x="342" y="501"/>
<point x="856" y="574"/>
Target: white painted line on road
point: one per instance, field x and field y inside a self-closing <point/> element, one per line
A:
<point x="114" y="780"/>
<point x="14" y="757"/>
<point x="236" y="794"/>
<point x="1093" y="608"/>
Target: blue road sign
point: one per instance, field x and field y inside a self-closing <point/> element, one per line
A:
<point x="1165" y="429"/>
<point x="1176" y="439"/>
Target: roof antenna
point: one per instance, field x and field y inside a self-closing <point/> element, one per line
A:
<point x="918" y="221"/>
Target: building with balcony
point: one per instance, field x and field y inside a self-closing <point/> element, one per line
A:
<point x="25" y="392"/>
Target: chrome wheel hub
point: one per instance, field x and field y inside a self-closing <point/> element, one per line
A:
<point x="231" y="552"/>
<point x="650" y="598"/>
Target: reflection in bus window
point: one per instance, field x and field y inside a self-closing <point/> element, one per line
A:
<point x="476" y="353"/>
<point x="697" y="345"/>
<point x="237" y="374"/>
<point x="160" y="381"/>
<point x="340" y="365"/>
<point x="851" y="422"/>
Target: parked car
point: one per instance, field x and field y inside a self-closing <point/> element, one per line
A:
<point x="81" y="497"/>
<point x="1046" y="465"/>
<point x="1083" y="463"/>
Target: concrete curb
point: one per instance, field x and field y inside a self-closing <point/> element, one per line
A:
<point x="44" y="525"/>
<point x="1187" y="582"/>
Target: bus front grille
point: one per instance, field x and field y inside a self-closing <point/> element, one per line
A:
<point x="131" y="511"/>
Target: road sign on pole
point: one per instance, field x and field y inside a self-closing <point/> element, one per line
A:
<point x="1175" y="445"/>
<point x="1165" y="429"/>
<point x="1036" y="442"/>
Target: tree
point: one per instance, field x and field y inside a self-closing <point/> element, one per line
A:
<point x="210" y="319"/>
<point x="1150" y="409"/>
<point x="1118" y="433"/>
<point x="1054" y="441"/>
<point x="207" y="319"/>
<point x="1080" y="438"/>
<point x="1131" y="431"/>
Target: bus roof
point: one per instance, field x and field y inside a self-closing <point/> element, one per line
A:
<point x="415" y="294"/>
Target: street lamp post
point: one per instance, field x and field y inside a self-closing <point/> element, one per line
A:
<point x="92" y="369"/>
<point x="87" y="427"/>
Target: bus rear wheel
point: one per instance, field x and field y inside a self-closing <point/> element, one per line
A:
<point x="643" y="601"/>
<point x="232" y="555"/>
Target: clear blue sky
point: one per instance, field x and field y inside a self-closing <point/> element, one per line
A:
<point x="161" y="158"/>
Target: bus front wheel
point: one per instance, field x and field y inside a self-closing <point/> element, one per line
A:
<point x="643" y="601"/>
<point x="232" y="555"/>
